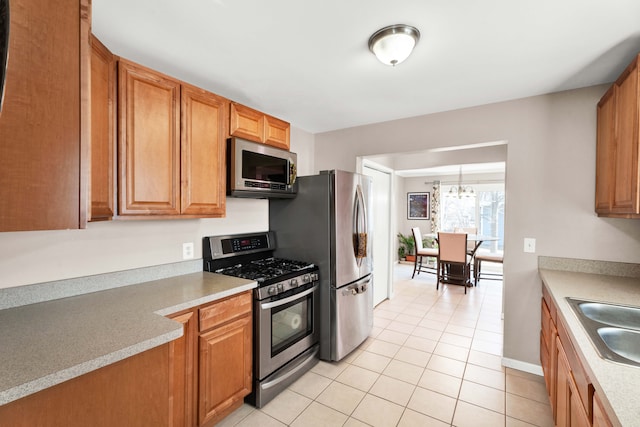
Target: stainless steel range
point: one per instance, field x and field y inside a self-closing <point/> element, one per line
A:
<point x="286" y="308"/>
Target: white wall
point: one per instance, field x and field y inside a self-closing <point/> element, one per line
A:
<point x="550" y="175"/>
<point x="302" y="144"/>
<point x="43" y="256"/>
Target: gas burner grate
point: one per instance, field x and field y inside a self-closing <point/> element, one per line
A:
<point x="264" y="269"/>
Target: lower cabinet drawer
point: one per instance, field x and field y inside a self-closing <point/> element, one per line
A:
<point x="224" y="310"/>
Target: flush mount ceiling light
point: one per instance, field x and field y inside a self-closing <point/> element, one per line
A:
<point x="393" y="44"/>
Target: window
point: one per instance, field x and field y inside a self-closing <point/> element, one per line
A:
<point x="485" y="212"/>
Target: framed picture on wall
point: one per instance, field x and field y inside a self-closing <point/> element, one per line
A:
<point x="419" y="205"/>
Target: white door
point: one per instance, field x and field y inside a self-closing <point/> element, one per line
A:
<point x="380" y="216"/>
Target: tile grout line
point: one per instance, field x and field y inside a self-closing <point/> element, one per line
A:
<point x="414" y="298"/>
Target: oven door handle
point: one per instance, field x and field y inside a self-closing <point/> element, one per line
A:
<point x="284" y="301"/>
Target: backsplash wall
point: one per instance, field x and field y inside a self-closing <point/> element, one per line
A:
<point x="43" y="256"/>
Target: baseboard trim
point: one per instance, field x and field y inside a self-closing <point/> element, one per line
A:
<point x="522" y="366"/>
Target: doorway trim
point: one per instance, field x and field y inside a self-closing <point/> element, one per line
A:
<point x="360" y="166"/>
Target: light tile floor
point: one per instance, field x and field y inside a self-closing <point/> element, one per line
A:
<point x="433" y="359"/>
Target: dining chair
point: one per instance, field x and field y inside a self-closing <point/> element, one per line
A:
<point x="454" y="264"/>
<point x="422" y="252"/>
<point x="481" y="257"/>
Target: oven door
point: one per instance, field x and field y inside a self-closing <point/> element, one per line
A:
<point x="285" y="328"/>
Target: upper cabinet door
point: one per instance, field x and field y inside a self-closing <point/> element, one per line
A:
<point x="203" y="133"/>
<point x="40" y="123"/>
<point x="618" y="147"/>
<point x="246" y="123"/>
<point x="148" y="141"/>
<point x="103" y="131"/>
<point x="276" y="133"/>
<point x="625" y="194"/>
<point x="605" y="151"/>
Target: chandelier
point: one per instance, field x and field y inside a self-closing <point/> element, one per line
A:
<point x="460" y="190"/>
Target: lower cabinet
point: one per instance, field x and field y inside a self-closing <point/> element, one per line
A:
<point x="225" y="369"/>
<point x="195" y="380"/>
<point x="569" y="409"/>
<point x="182" y="365"/>
<point x="600" y="418"/>
<point x="548" y="352"/>
<point x="573" y="398"/>
<point x="211" y="365"/>
<point x="133" y="392"/>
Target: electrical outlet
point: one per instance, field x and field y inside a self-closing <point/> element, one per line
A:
<point x="530" y="245"/>
<point x="187" y="250"/>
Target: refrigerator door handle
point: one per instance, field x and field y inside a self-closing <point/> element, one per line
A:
<point x="358" y="287"/>
<point x="360" y="226"/>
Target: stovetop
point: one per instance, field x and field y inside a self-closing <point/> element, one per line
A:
<point x="267" y="269"/>
<point x="251" y="257"/>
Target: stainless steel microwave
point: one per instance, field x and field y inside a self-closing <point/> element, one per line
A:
<point x="260" y="171"/>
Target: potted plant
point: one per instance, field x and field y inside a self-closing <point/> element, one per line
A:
<point x="407" y="247"/>
<point x="401" y="252"/>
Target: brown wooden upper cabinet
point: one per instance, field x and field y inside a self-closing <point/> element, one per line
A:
<point x="43" y="127"/>
<point x="103" y="131"/>
<point x="245" y="122"/>
<point x="617" y="152"/>
<point x="170" y="146"/>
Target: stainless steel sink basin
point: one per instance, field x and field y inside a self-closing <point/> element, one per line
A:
<point x="623" y="342"/>
<point x="614" y="329"/>
<point x="612" y="314"/>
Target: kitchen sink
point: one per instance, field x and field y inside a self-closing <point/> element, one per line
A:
<point x="623" y="342"/>
<point x="614" y="329"/>
<point x="612" y="314"/>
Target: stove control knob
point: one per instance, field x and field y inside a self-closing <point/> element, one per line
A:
<point x="280" y="287"/>
<point x="271" y="290"/>
<point x="293" y="283"/>
<point x="306" y="278"/>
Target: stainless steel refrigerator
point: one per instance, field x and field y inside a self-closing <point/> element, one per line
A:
<point x="329" y="223"/>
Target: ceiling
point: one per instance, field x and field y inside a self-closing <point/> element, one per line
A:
<point x="308" y="62"/>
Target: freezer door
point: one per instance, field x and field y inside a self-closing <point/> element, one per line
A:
<point x="352" y="208"/>
<point x="353" y="319"/>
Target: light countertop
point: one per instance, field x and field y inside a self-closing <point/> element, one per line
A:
<point x="44" y="344"/>
<point x="617" y="385"/>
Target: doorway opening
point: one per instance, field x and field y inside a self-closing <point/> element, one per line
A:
<point x="435" y="171"/>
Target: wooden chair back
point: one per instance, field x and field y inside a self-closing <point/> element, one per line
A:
<point x="417" y="238"/>
<point x="453" y="247"/>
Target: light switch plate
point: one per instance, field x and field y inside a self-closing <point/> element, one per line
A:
<point x="187" y="250"/>
<point x="530" y="245"/>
